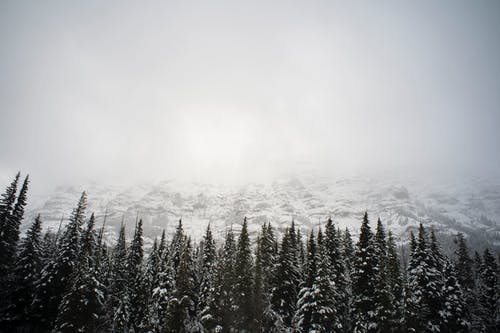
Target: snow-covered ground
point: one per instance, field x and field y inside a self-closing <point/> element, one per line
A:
<point x="470" y="206"/>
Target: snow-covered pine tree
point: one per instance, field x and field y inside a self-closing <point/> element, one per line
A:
<point x="347" y="254"/>
<point x="464" y="265"/>
<point x="286" y="281"/>
<point x="150" y="281"/>
<point x="176" y="246"/>
<point x="136" y="278"/>
<point x="266" y="255"/>
<point x="56" y="276"/>
<point x="324" y="316"/>
<point x="207" y="275"/>
<point x="182" y="305"/>
<point x="364" y="281"/>
<point x="383" y="294"/>
<point x="157" y="312"/>
<point x="26" y="273"/>
<point x="454" y="313"/>
<point x="222" y="309"/>
<point x="424" y="288"/>
<point x="257" y="293"/>
<point x="395" y="283"/>
<point x="7" y="203"/>
<point x="11" y="215"/>
<point x="306" y="299"/>
<point x="117" y="300"/>
<point x="243" y="287"/>
<point x="337" y="274"/>
<point x="488" y="293"/>
<point x="82" y="307"/>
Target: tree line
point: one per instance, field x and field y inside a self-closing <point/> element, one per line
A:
<point x="74" y="281"/>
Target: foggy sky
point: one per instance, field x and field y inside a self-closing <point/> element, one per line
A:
<point x="230" y="91"/>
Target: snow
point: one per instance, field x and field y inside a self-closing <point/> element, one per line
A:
<point x="402" y="205"/>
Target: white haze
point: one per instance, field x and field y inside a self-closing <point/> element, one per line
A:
<point x="231" y="91"/>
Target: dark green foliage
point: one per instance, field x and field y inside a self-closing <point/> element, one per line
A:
<point x="137" y="288"/>
<point x="364" y="281"/>
<point x="56" y="276"/>
<point x="488" y="293"/>
<point x="286" y="280"/>
<point x="26" y="273"/>
<point x="454" y="312"/>
<point x="70" y="281"/>
<point x="243" y="287"/>
<point x="81" y="309"/>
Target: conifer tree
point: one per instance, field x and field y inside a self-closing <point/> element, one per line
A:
<point x="267" y="256"/>
<point x="348" y="251"/>
<point x="363" y="281"/>
<point x="82" y="305"/>
<point x="182" y="306"/>
<point x="177" y="246"/>
<point x="424" y="290"/>
<point x="285" y="281"/>
<point x="243" y="282"/>
<point x="208" y="271"/>
<point x="136" y="279"/>
<point x="7" y="203"/>
<point x="258" y="296"/>
<point x="395" y="283"/>
<point x="11" y="214"/>
<point x="55" y="277"/>
<point x="488" y="294"/>
<point x="158" y="306"/>
<point x="222" y="308"/>
<point x="26" y="273"/>
<point x="383" y="296"/>
<point x="118" y="303"/>
<point x="305" y="303"/>
<point x="454" y="312"/>
<point x="337" y="274"/>
<point x="324" y="317"/>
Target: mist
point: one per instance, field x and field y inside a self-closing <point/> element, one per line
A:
<point x="123" y="92"/>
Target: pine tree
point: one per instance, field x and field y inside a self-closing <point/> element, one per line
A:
<point x="243" y="282"/>
<point x="454" y="312"/>
<point x="383" y="296"/>
<point x="424" y="290"/>
<point x="267" y="261"/>
<point x="464" y="267"/>
<point x="324" y="317"/>
<point x="136" y="277"/>
<point x="285" y="282"/>
<point x="177" y="245"/>
<point x="258" y="295"/>
<point x="464" y="264"/>
<point x="117" y="302"/>
<point x="7" y="203"/>
<point x="56" y="275"/>
<point x="488" y="296"/>
<point x="337" y="275"/>
<point x="305" y="303"/>
<point x="208" y="271"/>
<point x="26" y="273"/>
<point x="395" y="283"/>
<point x="82" y="305"/>
<point x="222" y="309"/>
<point x="11" y="214"/>
<point x="182" y="306"/>
<point x="363" y="281"/>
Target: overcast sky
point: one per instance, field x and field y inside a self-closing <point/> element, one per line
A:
<point x="237" y="90"/>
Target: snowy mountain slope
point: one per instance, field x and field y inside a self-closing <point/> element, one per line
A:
<point x="472" y="207"/>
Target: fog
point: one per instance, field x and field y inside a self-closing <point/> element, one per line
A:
<point x="229" y="91"/>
